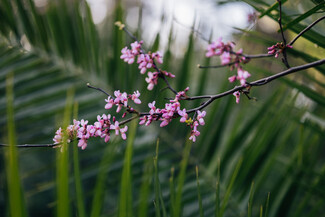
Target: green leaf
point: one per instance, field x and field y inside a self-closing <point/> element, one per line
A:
<point x="16" y="198"/>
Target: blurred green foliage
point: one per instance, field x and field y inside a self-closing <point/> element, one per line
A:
<point x="245" y="151"/>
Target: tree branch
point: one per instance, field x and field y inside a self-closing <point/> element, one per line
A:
<point x="306" y="29"/>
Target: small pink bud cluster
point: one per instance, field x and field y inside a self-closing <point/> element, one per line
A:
<point x="121" y="100"/>
<point x="171" y="111"/>
<point x="237" y="95"/>
<point x="242" y="75"/>
<point x="82" y="131"/>
<point x="226" y="52"/>
<point x="277" y="49"/>
<point x="234" y="59"/>
<point x="145" y="61"/>
<point x="129" y="55"/>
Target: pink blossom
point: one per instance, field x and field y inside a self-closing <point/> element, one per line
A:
<point x="127" y="55"/>
<point x="82" y="143"/>
<point x="117" y="129"/>
<point x="83" y="123"/>
<point x="200" y="116"/>
<point x="237" y="95"/>
<point x="242" y="75"/>
<point x="152" y="80"/>
<point x="123" y="131"/>
<point x="58" y="136"/>
<point x="158" y="57"/>
<point x="214" y="49"/>
<point x="105" y="134"/>
<point x="152" y="107"/>
<point x="136" y="47"/>
<point x="135" y="97"/>
<point x="225" y="58"/>
<point x="183" y="114"/>
<point x="232" y="78"/>
<point x="143" y="120"/>
<point x="110" y="103"/>
<point x="120" y="100"/>
<point x="164" y="122"/>
<point x="145" y="62"/>
<point x="194" y="132"/>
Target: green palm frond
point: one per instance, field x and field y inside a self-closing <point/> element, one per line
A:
<point x="275" y="142"/>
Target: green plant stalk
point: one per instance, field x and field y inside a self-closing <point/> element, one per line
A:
<point x="145" y="188"/>
<point x="158" y="194"/>
<point x="155" y="162"/>
<point x="231" y="183"/>
<point x="62" y="163"/>
<point x="217" y="210"/>
<point x="16" y="200"/>
<point x="181" y="179"/>
<point x="172" y="190"/>
<point x="267" y="204"/>
<point x="125" y="202"/>
<point x="108" y="156"/>
<point x="250" y="201"/>
<point x="199" y="192"/>
<point x="76" y="169"/>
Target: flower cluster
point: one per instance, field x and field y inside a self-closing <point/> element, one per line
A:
<point x="171" y="111"/>
<point x="146" y="62"/>
<point x="277" y="49"/>
<point x="82" y="131"/>
<point x="121" y="100"/>
<point x="226" y="52"/>
<point x="229" y="57"/>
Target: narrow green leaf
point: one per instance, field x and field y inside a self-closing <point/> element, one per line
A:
<point x="303" y="16"/>
<point x="267" y="204"/>
<point x="250" y="200"/>
<point x="230" y="186"/>
<point x="107" y="158"/>
<point x="62" y="163"/>
<point x="181" y="179"/>
<point x="145" y="188"/>
<point x="217" y="204"/>
<point x="15" y="193"/>
<point x="172" y="190"/>
<point x="76" y="169"/>
<point x="271" y="8"/>
<point x="199" y="192"/>
<point x="157" y="184"/>
<point x="125" y="201"/>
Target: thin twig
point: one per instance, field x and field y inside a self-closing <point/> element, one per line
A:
<point x="128" y="120"/>
<point x="99" y="89"/>
<point x="122" y="27"/>
<point x="305" y="30"/>
<point x="247" y="56"/>
<point x="284" y="59"/>
<point x="31" y="145"/>
<point x="210" y="98"/>
<point x="259" y="82"/>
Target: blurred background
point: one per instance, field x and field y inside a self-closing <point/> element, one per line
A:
<point x="53" y="48"/>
